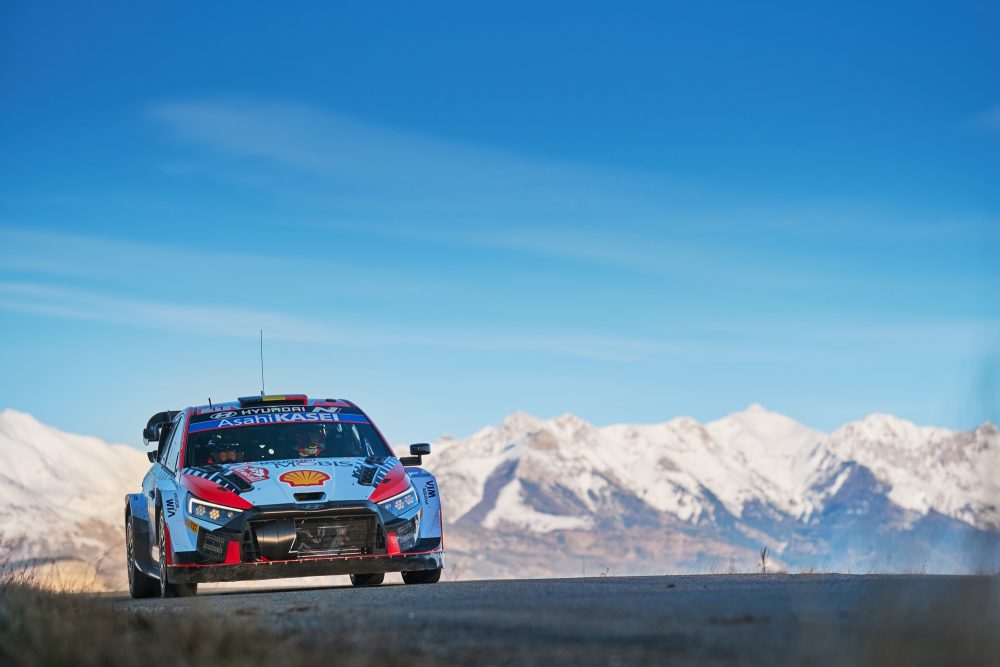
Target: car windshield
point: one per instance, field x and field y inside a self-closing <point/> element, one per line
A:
<point x="281" y="441"/>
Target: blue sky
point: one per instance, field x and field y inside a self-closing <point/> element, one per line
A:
<point x="449" y="212"/>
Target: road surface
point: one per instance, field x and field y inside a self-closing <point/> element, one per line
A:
<point x="728" y="619"/>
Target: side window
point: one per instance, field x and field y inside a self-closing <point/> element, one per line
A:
<point x="165" y="447"/>
<point x="174" y="447"/>
<point x="361" y="439"/>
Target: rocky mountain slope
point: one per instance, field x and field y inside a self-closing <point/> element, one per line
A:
<point x="534" y="497"/>
<point x="62" y="498"/>
<point x="877" y="494"/>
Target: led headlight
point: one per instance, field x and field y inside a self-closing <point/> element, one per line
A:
<point x="399" y="504"/>
<point x="219" y="514"/>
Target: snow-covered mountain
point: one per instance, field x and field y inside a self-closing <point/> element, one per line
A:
<point x="929" y="469"/>
<point x="879" y="493"/>
<point x="62" y="495"/>
<point x="534" y="497"/>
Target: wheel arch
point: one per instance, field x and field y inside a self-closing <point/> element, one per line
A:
<point x="135" y="508"/>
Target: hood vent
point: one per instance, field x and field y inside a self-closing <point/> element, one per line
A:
<point x="307" y="497"/>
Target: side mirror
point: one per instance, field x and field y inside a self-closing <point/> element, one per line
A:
<point x="151" y="434"/>
<point x="418" y="451"/>
<point x="158" y="426"/>
<point x="151" y="455"/>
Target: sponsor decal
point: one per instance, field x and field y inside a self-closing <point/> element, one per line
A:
<point x="304" y="477"/>
<point x="269" y="409"/>
<point x="251" y="473"/>
<point x="170" y="504"/>
<point x="225" y="412"/>
<point x="294" y="463"/>
<point x="430" y="491"/>
<point x="283" y="417"/>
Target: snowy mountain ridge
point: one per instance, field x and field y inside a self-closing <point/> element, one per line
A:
<point x="544" y="493"/>
<point x="62" y="495"/>
<point x="684" y="468"/>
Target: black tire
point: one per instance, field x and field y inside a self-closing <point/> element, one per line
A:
<point x="167" y="589"/>
<point x="367" y="579"/>
<point x="422" y="576"/>
<point x="139" y="584"/>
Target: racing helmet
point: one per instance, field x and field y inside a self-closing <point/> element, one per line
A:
<point x="223" y="451"/>
<point x="310" y="440"/>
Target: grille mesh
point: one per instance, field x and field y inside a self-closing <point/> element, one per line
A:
<point x="212" y="544"/>
<point x="335" y="536"/>
<point x="406" y="535"/>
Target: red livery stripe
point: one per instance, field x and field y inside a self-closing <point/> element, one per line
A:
<point x="394" y="482"/>
<point x="212" y="492"/>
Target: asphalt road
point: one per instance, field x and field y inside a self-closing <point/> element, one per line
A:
<point x="727" y="619"/>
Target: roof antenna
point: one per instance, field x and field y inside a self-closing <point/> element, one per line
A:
<point x="210" y="406"/>
<point x="262" y="363"/>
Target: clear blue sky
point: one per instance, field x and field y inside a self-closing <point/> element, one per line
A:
<point x="447" y="212"/>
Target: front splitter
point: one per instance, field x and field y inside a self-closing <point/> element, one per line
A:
<point x="305" y="567"/>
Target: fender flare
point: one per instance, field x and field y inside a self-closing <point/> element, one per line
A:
<point x="136" y="508"/>
<point x="428" y="492"/>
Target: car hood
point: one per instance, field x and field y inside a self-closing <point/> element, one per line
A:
<point x="265" y="483"/>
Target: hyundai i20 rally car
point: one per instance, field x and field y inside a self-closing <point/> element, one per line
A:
<point x="278" y="486"/>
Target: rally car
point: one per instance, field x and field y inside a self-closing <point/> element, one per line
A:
<point x="278" y="486"/>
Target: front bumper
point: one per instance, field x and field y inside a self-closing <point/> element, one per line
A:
<point x="304" y="567"/>
<point x="304" y="540"/>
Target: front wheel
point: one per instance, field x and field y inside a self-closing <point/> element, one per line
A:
<point x="367" y="579"/>
<point x="168" y="590"/>
<point x="422" y="576"/>
<point x="139" y="584"/>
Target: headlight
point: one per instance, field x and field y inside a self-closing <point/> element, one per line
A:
<point x="218" y="514"/>
<point x="399" y="504"/>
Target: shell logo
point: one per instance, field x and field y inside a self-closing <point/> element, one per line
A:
<point x="304" y="477"/>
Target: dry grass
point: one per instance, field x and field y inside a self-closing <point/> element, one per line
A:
<point x="43" y="627"/>
<point x="40" y="627"/>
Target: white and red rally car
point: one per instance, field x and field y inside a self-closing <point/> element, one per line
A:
<point x="278" y="486"/>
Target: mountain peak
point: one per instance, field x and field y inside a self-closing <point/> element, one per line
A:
<point x="988" y="428"/>
<point x="10" y="415"/>
<point x="882" y="427"/>
<point x="756" y="417"/>
<point x="753" y="412"/>
<point x="571" y="421"/>
<point x="16" y="422"/>
<point x="520" y="421"/>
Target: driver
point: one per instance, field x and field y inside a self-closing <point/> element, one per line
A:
<point x="310" y="441"/>
<point x="222" y="452"/>
<point x="228" y="453"/>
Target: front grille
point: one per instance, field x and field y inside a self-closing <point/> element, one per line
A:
<point x="335" y="536"/>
